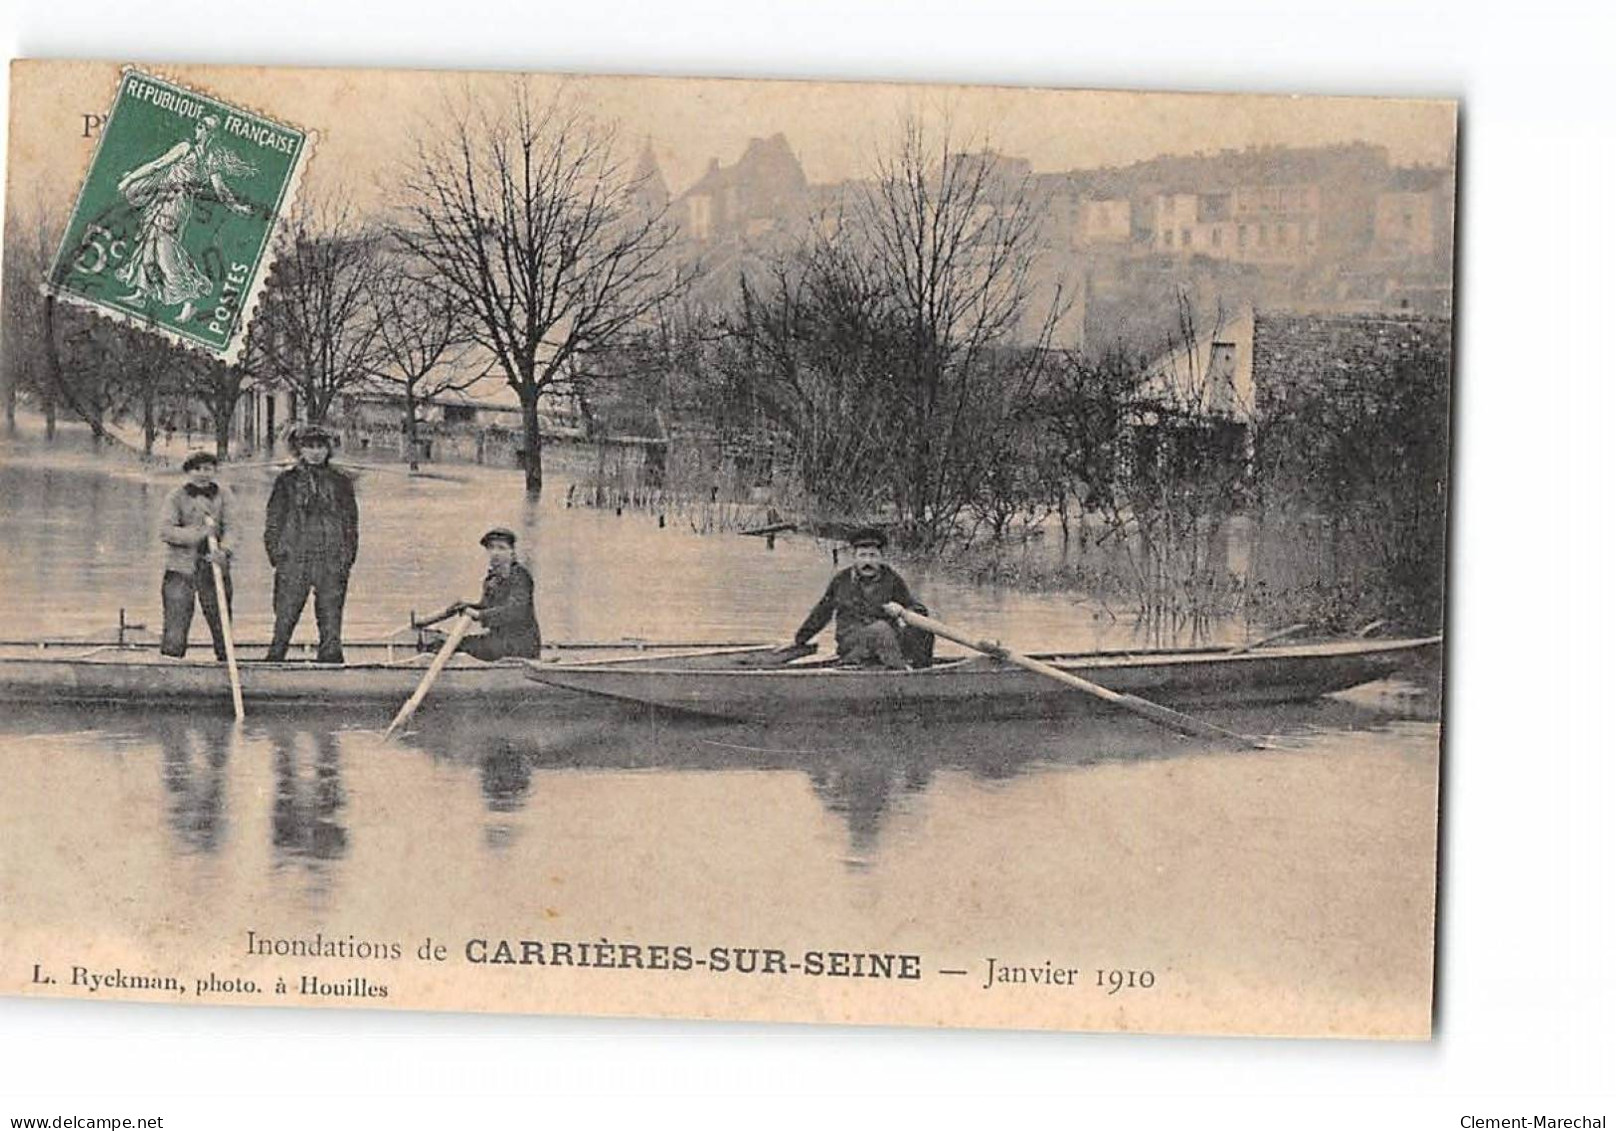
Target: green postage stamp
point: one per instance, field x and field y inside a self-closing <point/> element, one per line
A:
<point x="173" y="230"/>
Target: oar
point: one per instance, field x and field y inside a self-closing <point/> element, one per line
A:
<point x="1271" y="638"/>
<point x="456" y="633"/>
<point x="428" y="622"/>
<point x="776" y="657"/>
<point x="224" y="621"/>
<point x="1155" y="712"/>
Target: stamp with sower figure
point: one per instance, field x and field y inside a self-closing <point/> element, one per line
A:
<point x="173" y="228"/>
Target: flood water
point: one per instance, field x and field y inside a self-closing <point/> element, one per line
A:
<point x="81" y="543"/>
<point x="1291" y="886"/>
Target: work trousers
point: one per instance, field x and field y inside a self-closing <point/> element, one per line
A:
<point x="181" y="592"/>
<point x="293" y="581"/>
<point x="871" y="645"/>
<point x="489" y="646"/>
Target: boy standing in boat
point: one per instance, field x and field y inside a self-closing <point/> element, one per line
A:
<point x="865" y="636"/>
<point x="311" y="533"/>
<point x="193" y="510"/>
<point x="511" y="628"/>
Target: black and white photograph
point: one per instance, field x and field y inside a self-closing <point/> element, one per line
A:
<point x="539" y="542"/>
<point x="723" y="549"/>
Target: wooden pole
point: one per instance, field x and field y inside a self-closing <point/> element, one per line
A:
<point x="224" y="621"/>
<point x="1272" y="637"/>
<point x="1144" y="708"/>
<point x="457" y="632"/>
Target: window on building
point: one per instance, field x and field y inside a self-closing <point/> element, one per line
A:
<point x="701" y="217"/>
<point x="1284" y="235"/>
<point x="1167" y="237"/>
<point x="1262" y="235"/>
<point x="459" y="414"/>
<point x="1184" y="237"/>
<point x="1244" y="235"/>
<point x="1220" y="365"/>
<point x="1217" y="237"/>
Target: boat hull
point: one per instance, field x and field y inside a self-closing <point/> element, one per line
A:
<point x="375" y="673"/>
<point x="984" y="687"/>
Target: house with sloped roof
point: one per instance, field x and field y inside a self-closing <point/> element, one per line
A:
<point x="760" y="195"/>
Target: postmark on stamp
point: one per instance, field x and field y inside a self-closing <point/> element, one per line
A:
<point x="173" y="228"/>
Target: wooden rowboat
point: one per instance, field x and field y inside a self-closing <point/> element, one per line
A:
<point x="727" y="688"/>
<point x="63" y="671"/>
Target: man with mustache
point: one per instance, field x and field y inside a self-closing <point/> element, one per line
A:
<point x="865" y="636"/>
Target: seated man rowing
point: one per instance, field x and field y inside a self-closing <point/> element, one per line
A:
<point x="505" y="611"/>
<point x="865" y="635"/>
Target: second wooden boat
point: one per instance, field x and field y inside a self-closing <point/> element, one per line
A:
<point x="726" y="688"/>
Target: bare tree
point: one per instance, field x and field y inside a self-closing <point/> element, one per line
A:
<point x="28" y="248"/>
<point x="145" y="370"/>
<point x="52" y="353"/>
<point x="316" y="330"/>
<point x="220" y="387"/>
<point x="953" y="237"/>
<point x="527" y="216"/>
<point x="807" y="352"/>
<point x="424" y="343"/>
<point x="1083" y="411"/>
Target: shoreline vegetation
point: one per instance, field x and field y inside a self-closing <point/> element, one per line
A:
<point x="1269" y="575"/>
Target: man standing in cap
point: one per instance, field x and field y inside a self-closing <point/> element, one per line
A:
<point x="506" y="608"/>
<point x="311" y="532"/>
<point x="864" y="634"/>
<point x="191" y="512"/>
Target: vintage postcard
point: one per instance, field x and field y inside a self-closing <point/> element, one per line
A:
<point x="827" y="552"/>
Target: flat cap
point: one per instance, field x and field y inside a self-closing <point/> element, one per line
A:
<point x="867" y="536"/>
<point x="309" y="434"/>
<point x="499" y="534"/>
<point x="197" y="458"/>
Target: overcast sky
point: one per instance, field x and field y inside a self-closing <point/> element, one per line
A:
<point x="365" y="119"/>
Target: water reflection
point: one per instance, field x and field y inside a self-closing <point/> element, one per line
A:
<point x="505" y="775"/>
<point x="864" y="793"/>
<point x="864" y="773"/>
<point x="308" y="798"/>
<point x="195" y="758"/>
<point x="860" y="777"/>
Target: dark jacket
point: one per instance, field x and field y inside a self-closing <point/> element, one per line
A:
<point x="312" y="518"/>
<point x="507" y="612"/>
<point x="854" y="604"/>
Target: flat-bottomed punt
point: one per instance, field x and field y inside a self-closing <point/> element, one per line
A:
<point x="728" y="688"/>
<point x="375" y="672"/>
